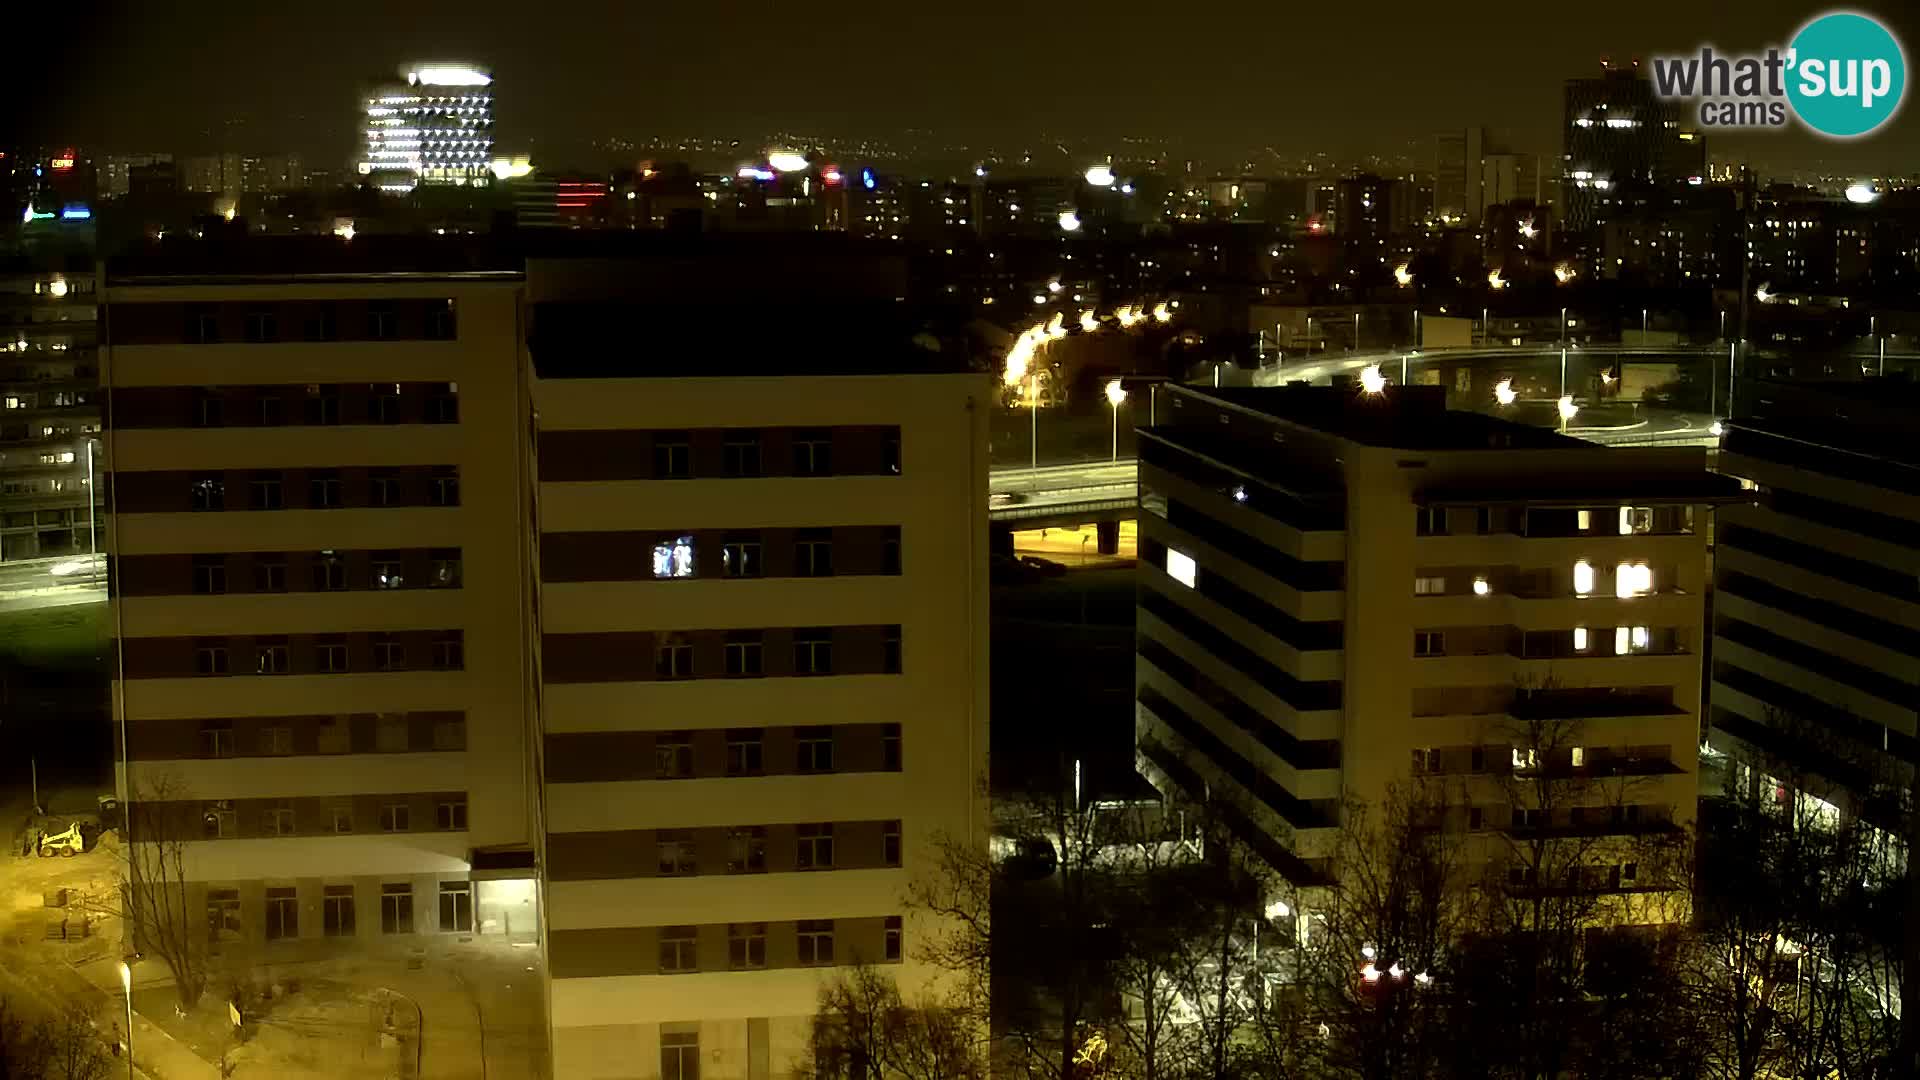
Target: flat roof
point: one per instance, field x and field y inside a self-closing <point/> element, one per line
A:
<point x="1874" y="417"/>
<point x="1401" y="418"/>
<point x="271" y="259"/>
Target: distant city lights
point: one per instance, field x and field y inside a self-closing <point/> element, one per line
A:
<point x="449" y="75"/>
<point x="1861" y="193"/>
<point x="1403" y="275"/>
<point x="1069" y="221"/>
<point x="1100" y="176"/>
<point x="787" y="160"/>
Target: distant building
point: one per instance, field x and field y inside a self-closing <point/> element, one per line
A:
<point x="436" y="127"/>
<point x="1371" y="211"/>
<point x="272" y="173"/>
<point x="217" y="174"/>
<point x="116" y="173"/>
<point x="49" y="410"/>
<point x="1617" y="134"/>
<point x="1458" y="163"/>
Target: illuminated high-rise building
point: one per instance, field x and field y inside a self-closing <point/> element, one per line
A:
<point x="435" y="128"/>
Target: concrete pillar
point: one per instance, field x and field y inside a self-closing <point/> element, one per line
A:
<point x="1109" y="537"/>
<point x="1000" y="539"/>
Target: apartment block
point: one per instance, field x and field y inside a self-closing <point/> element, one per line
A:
<point x="762" y="670"/>
<point x="1816" y="616"/>
<point x="49" y="414"/>
<point x="321" y="591"/>
<point x="1343" y="591"/>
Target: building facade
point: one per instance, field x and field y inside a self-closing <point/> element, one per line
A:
<point x="49" y="412"/>
<point x="1342" y="592"/>
<point x="434" y="128"/>
<point x="1617" y="134"/>
<point x="321" y="595"/>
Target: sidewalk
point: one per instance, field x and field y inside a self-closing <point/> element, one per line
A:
<point x="154" y="1051"/>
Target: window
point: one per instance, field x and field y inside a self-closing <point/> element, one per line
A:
<point x="679" y="949"/>
<point x="272" y="411"/>
<point x="269" y="573"/>
<point x="746" y="945"/>
<point x="813" y="453"/>
<point x="894" y="932"/>
<point x="813" y="553"/>
<point x="673" y="754"/>
<point x="1481" y="587"/>
<point x="1581" y="641"/>
<point x="740" y="454"/>
<point x="673" y="657"/>
<point x="1425" y="760"/>
<point x="1636" y="519"/>
<point x="1476" y="818"/>
<point x="210" y="659"/>
<point x="1579" y="757"/>
<point x="1482" y="519"/>
<point x="389" y="653"/>
<point x="396" y="908"/>
<point x="813" y="651"/>
<point x="1429" y="643"/>
<point x="262" y="327"/>
<point x="208" y="491"/>
<point x="890" y="551"/>
<point x="209" y="574"/>
<point x="390" y="733"/>
<point x="890" y="843"/>
<point x="384" y="571"/>
<point x="815" y="850"/>
<point x="444" y="568"/>
<point x="320" y="324"/>
<point x="445" y="489"/>
<point x="743" y="653"/>
<point x="675" y="850"/>
<point x="449" y="651"/>
<point x="382" y="323"/>
<point x="329" y="572"/>
<point x="1628" y="640"/>
<point x="816" y="941"/>
<point x="673" y="557"/>
<point x="1632" y="579"/>
<point x="383" y="403"/>
<point x="440" y="324"/>
<point x="283" y="913"/>
<point x="890" y="747"/>
<point x="216" y="738"/>
<point x="747" y="850"/>
<point x="276" y="741"/>
<point x="1430" y="521"/>
<point x="740" y="556"/>
<point x="814" y="747"/>
<point x="450" y="734"/>
<point x="277" y="821"/>
<point x="342" y="820"/>
<point x="1583" y="577"/>
<point x="890" y="452"/>
<point x="209" y="409"/>
<point x="1429" y="586"/>
<point x="383" y="487"/>
<point x="264" y="492"/>
<point x="680" y="1055"/>
<point x="1182" y="568"/>
<point x="672" y="456"/>
<point x="395" y="817"/>
<point x="323" y="490"/>
<point x="203" y="327"/>
<point x="744" y="746"/>
<point x="219" y="822"/>
<point x="1521" y="875"/>
<point x="443" y="403"/>
<point x="1525" y="818"/>
<point x="322" y="404"/>
<point x="270" y="656"/>
<point x="451" y="816"/>
<point x="1525" y="758"/>
<point x="336" y="910"/>
<point x="890" y="655"/>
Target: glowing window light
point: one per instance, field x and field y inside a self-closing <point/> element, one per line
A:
<point x="1632" y="579"/>
<point x="1583" y="578"/>
<point x="674" y="558"/>
<point x="1481" y="587"/>
<point x="449" y="76"/>
<point x="1181" y="567"/>
<point x="1580" y="641"/>
<point x="1622" y="641"/>
<point x="1088" y="322"/>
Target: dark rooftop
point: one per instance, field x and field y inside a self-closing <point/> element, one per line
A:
<point x="1401" y="417"/>
<point x="1873" y="417"/>
<point x="187" y="260"/>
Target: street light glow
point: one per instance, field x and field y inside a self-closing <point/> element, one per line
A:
<point x="1861" y="193"/>
<point x="1716" y="429"/>
<point x="1088" y="323"/>
<point x="1069" y="221"/>
<point x="1503" y="392"/>
<point x="57" y="288"/>
<point x="1371" y="381"/>
<point x="787" y="160"/>
<point x="1403" y="275"/>
<point x="1495" y="281"/>
<point x="1761" y="294"/>
<point x="1100" y="176"/>
<point x="1116" y="393"/>
<point x="1567" y="408"/>
<point x="1161" y="313"/>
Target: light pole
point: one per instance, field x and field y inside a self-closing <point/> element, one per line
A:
<point x="1033" y="403"/>
<point x="1309" y="334"/>
<point x="1356" y="331"/>
<point x="1486" y="329"/>
<point x="93" y="546"/>
<point x="1643" y="328"/>
<point x="1115" y="395"/>
<point x="1563" y="328"/>
<point x="126" y="984"/>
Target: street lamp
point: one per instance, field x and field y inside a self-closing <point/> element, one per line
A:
<point x="126" y="985"/>
<point x="1115" y="395"/>
<point x="1567" y="410"/>
<point x="1503" y="392"/>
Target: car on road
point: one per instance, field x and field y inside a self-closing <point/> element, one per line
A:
<point x="1000" y="499"/>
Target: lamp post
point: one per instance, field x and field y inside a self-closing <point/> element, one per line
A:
<point x="93" y="546"/>
<point x="1115" y="395"/>
<point x="1486" y="328"/>
<point x="1356" y="331"/>
<point x="126" y="985"/>
<point x="1643" y="328"/>
<point x="1033" y="407"/>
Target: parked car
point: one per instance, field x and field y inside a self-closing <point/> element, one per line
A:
<point x="1043" y="567"/>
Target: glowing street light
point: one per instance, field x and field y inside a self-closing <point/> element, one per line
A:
<point x="1403" y="275"/>
<point x="1100" y="176"/>
<point x="1495" y="281"/>
<point x="1568" y="410"/>
<point x="1503" y="392"/>
<point x="1057" y="326"/>
<point x="1527" y="229"/>
<point x="57" y="288"/>
<point x="1088" y="323"/>
<point x="1371" y="381"/>
<point x="1127" y="316"/>
<point x="1861" y="193"/>
<point x="1161" y="313"/>
<point x="126" y="987"/>
<point x="1562" y="274"/>
<point x="787" y="160"/>
<point x="1069" y="221"/>
<point x="1116" y="394"/>
<point x="1761" y="294"/>
<point x="1716" y="429"/>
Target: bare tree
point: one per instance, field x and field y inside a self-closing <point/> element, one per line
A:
<point x="864" y="1030"/>
<point x="62" y="1046"/>
<point x="1155" y="910"/>
<point x="155" y="898"/>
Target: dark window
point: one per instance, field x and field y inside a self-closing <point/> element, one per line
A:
<point x="890" y="551"/>
<point x="815" y="847"/>
<point x="269" y="573"/>
<point x="219" y="822"/>
<point x="383" y="403"/>
<point x="336" y="910"/>
<point x="320" y="324"/>
<point x="813" y="652"/>
<point x="450" y="651"/>
<point x="813" y="453"/>
<point x="747" y="850"/>
<point x="746" y="945"/>
<point x="322" y="404"/>
<point x="330" y="656"/>
<point x="814" y="749"/>
<point x="450" y="734"/>
<point x="270" y="656"/>
<point x="271" y="409"/>
<point x="276" y="741"/>
<point x="672" y="456"/>
<point x="323" y="490"/>
<point x="678" y="952"/>
<point x="203" y="327"/>
<point x="890" y="844"/>
<point x="264" y="493"/>
<point x="740" y="455"/>
<point x="816" y="941"/>
<point x="210" y="409"/>
<point x="278" y="821"/>
<point x="395" y="817"/>
<point x="890" y="747"/>
<point x="740" y="556"/>
<point x="329" y="572"/>
<point x="216" y="738"/>
<point x="1430" y="521"/>
<point x="451" y="816"/>
<point x="1482" y="520"/>
<point x="262" y="326"/>
<point x="444" y="571"/>
<point x="743" y="650"/>
<point x="673" y="754"/>
<point x="1429" y="643"/>
<point x="673" y="658"/>
<point x="209" y="574"/>
<point x="890" y="658"/>
<point x="813" y="553"/>
<point x="389" y="653"/>
<point x="679" y="1055"/>
<point x="744" y="750"/>
<point x="208" y="491"/>
<point x="396" y="904"/>
<point x="383" y="487"/>
<point x="676" y="854"/>
<point x="440" y="324"/>
<point x="382" y="323"/>
<point x="894" y="932"/>
<point x="456" y="907"/>
<point x="443" y="404"/>
<point x="446" y="485"/>
<point x="210" y="658"/>
<point x="283" y="914"/>
<point x="890" y="452"/>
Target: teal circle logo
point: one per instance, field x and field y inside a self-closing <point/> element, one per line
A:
<point x="1847" y="75"/>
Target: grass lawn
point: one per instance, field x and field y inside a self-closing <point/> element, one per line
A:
<point x="69" y="638"/>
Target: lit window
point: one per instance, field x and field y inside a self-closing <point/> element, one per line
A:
<point x="1583" y="576"/>
<point x="1480" y="587"/>
<point x="1632" y="579"/>
<point x="1181" y="567"/>
<point x="1642" y="639"/>
<point x="673" y="558"/>
<point x="1586" y="520"/>
<point x="1429" y="586"/>
<point x="1580" y="639"/>
<point x="1635" y="519"/>
<point x="1579" y="757"/>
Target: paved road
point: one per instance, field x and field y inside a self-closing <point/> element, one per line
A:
<point x="38" y="583"/>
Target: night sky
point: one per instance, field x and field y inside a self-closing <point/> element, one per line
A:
<point x="1345" y="78"/>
